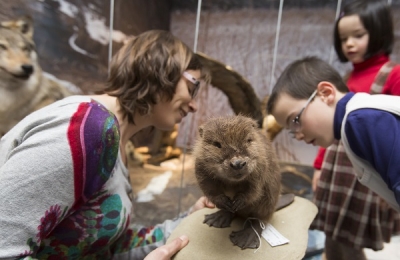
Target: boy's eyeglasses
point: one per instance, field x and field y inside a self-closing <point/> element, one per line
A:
<point x="295" y="125"/>
<point x="196" y="83"/>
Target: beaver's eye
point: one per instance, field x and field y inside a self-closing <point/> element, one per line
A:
<point x="249" y="140"/>
<point x="217" y="144"/>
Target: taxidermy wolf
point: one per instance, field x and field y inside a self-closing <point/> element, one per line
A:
<point x="23" y="86"/>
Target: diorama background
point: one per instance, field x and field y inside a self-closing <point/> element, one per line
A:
<point x="72" y="39"/>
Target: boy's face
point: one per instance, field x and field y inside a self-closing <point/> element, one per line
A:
<point x="315" y="124"/>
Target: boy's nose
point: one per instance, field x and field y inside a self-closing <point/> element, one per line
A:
<point x="299" y="136"/>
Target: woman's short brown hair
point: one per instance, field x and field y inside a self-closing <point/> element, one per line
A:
<point x="148" y="68"/>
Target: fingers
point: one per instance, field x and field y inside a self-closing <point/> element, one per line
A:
<point x="176" y="245"/>
<point x="208" y="203"/>
<point x="314" y="185"/>
<point x="315" y="180"/>
<point x="201" y="203"/>
<point x="165" y="252"/>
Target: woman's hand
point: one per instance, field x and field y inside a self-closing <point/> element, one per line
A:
<point x="165" y="252"/>
<point x="202" y="202"/>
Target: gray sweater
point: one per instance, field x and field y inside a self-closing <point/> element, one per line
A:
<point x="64" y="191"/>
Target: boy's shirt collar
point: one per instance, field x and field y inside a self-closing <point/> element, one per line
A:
<point x="339" y="114"/>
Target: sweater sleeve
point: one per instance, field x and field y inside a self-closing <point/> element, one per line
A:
<point x="370" y="139"/>
<point x="139" y="241"/>
<point x="35" y="187"/>
<point x="40" y="181"/>
<point x="319" y="158"/>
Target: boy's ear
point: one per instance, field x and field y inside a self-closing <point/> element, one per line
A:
<point x="326" y="91"/>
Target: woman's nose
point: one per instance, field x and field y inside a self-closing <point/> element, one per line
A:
<point x="192" y="106"/>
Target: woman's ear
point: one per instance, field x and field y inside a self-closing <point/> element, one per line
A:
<point x="326" y="91"/>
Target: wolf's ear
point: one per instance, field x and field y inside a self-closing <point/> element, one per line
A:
<point x="23" y="25"/>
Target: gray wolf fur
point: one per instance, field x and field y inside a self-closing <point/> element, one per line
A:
<point x="23" y="86"/>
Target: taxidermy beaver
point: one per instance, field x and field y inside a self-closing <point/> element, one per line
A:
<point x="237" y="170"/>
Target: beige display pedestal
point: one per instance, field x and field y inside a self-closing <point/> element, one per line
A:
<point x="207" y="243"/>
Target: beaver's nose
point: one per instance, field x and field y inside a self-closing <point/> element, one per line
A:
<point x="237" y="164"/>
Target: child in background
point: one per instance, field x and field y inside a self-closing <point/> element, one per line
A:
<point x="350" y="214"/>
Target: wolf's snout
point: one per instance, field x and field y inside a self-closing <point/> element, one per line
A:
<point x="237" y="164"/>
<point x="27" y="69"/>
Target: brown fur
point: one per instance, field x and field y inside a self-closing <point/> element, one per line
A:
<point x="23" y="86"/>
<point x="250" y="192"/>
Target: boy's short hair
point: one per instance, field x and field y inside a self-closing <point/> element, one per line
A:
<point x="376" y="17"/>
<point x="301" y="78"/>
<point x="148" y="68"/>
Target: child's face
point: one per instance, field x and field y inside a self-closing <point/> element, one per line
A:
<point x="315" y="122"/>
<point x="354" y="38"/>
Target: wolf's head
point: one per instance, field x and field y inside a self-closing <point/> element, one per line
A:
<point x="18" y="59"/>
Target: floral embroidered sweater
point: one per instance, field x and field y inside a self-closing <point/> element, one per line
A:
<point x="64" y="191"/>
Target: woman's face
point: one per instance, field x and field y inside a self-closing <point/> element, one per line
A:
<point x="166" y="114"/>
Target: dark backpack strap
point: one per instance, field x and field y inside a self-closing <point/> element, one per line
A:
<point x="381" y="77"/>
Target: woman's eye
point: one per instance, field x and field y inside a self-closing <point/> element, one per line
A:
<point x="191" y="89"/>
<point x="217" y="144"/>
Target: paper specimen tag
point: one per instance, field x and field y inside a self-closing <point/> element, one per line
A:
<point x="273" y="237"/>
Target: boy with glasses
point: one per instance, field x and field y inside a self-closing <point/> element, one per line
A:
<point x="369" y="126"/>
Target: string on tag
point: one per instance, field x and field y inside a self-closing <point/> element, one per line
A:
<point x="262" y="225"/>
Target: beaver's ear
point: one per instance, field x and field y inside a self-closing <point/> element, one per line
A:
<point x="254" y="124"/>
<point x="201" y="131"/>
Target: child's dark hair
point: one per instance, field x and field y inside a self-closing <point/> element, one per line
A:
<point x="301" y="78"/>
<point x="376" y="18"/>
